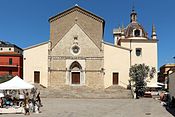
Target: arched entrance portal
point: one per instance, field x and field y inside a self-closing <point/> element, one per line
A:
<point x="75" y="73"/>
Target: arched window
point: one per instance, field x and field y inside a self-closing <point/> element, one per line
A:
<point x="138" y="51"/>
<point x="75" y="66"/>
<point x="137" y="33"/>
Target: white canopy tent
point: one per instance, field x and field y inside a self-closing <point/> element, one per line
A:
<point x="160" y="84"/>
<point x="153" y="85"/>
<point x="15" y="83"/>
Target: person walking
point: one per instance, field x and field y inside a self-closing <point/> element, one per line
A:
<point x="39" y="99"/>
<point x="26" y="104"/>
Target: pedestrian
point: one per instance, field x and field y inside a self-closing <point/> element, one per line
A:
<point x="39" y="99"/>
<point x="26" y="103"/>
<point x="1" y="102"/>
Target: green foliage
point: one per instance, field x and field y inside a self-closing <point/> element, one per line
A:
<point x="138" y="74"/>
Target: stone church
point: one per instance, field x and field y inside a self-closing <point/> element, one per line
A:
<point x="76" y="54"/>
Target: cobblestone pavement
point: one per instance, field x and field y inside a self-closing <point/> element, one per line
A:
<point x="55" y="107"/>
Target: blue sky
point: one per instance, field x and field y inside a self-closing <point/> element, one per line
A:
<point x="25" y="22"/>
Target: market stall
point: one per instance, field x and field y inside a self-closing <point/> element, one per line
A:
<point x="152" y="90"/>
<point x="15" y="83"/>
<point x="13" y="95"/>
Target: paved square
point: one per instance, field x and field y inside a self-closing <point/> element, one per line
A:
<point x="55" y="107"/>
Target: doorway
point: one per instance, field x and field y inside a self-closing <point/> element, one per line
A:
<point x="75" y="74"/>
<point x="115" y="78"/>
<point x="75" y="77"/>
<point x="36" y="77"/>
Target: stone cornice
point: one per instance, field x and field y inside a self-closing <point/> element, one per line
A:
<point x="139" y="40"/>
<point x="74" y="57"/>
<point x="64" y="70"/>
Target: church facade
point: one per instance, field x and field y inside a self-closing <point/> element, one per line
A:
<point x="76" y="54"/>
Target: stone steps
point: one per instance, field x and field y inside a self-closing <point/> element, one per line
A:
<point x="113" y="92"/>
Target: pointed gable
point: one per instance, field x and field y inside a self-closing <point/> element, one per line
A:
<point x="91" y="24"/>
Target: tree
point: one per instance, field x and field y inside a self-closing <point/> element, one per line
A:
<point x="138" y="74"/>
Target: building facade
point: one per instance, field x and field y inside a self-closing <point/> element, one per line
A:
<point x="165" y="70"/>
<point x="76" y="54"/>
<point x="36" y="64"/>
<point x="11" y="60"/>
<point x="171" y="87"/>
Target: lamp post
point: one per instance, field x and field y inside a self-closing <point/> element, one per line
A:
<point x="174" y="59"/>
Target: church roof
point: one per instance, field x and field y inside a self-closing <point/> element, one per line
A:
<point x="90" y="23"/>
<point x="117" y="46"/>
<point x="76" y="7"/>
<point x="134" y="26"/>
<point x="7" y="44"/>
<point x="33" y="46"/>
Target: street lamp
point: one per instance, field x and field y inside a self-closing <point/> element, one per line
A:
<point x="174" y="59"/>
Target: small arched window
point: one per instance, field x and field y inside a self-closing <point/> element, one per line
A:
<point x="137" y="33"/>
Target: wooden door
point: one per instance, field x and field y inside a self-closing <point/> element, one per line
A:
<point x="36" y="77"/>
<point x="115" y="78"/>
<point x="75" y="77"/>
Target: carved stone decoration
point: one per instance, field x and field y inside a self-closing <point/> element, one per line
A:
<point x="75" y="49"/>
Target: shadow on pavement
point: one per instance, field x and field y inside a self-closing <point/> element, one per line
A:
<point x="171" y="110"/>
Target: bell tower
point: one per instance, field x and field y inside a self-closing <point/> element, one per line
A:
<point x="133" y="15"/>
<point x="154" y="36"/>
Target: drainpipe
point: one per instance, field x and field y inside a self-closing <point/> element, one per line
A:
<point x="49" y="63"/>
<point x="130" y="52"/>
<point x="132" y="91"/>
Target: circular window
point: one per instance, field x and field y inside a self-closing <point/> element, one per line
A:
<point x="75" y="50"/>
